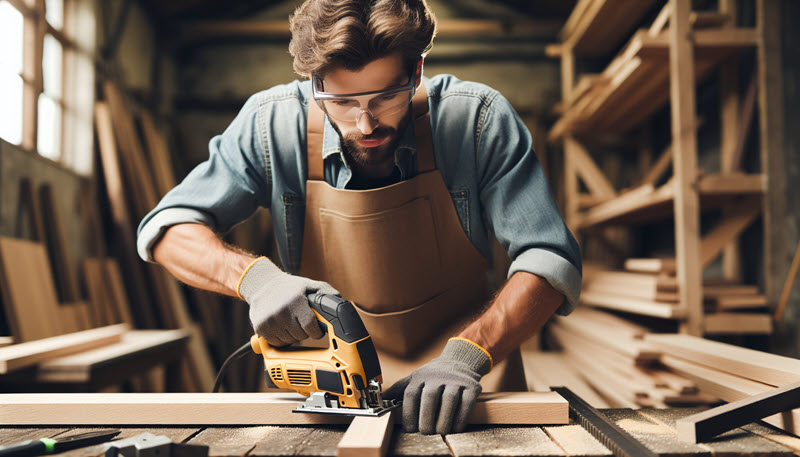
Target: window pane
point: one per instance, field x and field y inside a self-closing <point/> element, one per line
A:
<point x="52" y="65"/>
<point x="49" y="128"/>
<point x="55" y="13"/>
<point x="11" y="107"/>
<point x="10" y="38"/>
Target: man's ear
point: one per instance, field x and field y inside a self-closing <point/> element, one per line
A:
<point x="418" y="72"/>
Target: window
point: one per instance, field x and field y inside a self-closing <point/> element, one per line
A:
<point x="11" y="85"/>
<point x="47" y="78"/>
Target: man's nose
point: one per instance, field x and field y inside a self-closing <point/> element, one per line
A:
<point x="365" y="123"/>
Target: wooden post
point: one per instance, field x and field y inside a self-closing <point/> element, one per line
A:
<point x="777" y="250"/>
<point x="684" y="140"/>
<point x="729" y="119"/>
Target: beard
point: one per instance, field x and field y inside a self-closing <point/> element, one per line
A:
<point x="360" y="156"/>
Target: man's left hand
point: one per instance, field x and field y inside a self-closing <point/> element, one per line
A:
<point x="439" y="396"/>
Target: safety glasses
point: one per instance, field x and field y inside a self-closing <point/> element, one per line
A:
<point x="350" y="107"/>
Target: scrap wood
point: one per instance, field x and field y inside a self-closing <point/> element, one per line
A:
<point x="759" y="366"/>
<point x="22" y="355"/>
<point x="367" y="436"/>
<point x="522" y="408"/>
<point x="707" y="424"/>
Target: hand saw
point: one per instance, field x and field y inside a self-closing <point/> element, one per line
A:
<point x="344" y="378"/>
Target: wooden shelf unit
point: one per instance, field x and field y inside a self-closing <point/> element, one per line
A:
<point x="662" y="65"/>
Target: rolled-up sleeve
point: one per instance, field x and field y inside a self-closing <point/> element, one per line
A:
<point x="220" y="192"/>
<point x="518" y="205"/>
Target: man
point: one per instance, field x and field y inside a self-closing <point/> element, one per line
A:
<point x="383" y="186"/>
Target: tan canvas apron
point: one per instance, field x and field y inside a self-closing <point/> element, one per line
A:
<point x="400" y="255"/>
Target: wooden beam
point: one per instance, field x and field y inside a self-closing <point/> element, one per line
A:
<point x="684" y="141"/>
<point x="367" y="436"/>
<point x="523" y="408"/>
<point x="22" y="355"/>
<point x="773" y="156"/>
<point x="708" y="424"/>
<point x="589" y="172"/>
<point x="787" y="286"/>
<point x="759" y="366"/>
<point x="726" y="231"/>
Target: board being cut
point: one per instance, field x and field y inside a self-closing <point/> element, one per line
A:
<point x="522" y="408"/>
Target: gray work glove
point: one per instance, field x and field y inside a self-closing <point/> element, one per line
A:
<point x="279" y="309"/>
<point x="439" y="396"/>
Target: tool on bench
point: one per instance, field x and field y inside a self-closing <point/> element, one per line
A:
<point x="149" y="445"/>
<point x="343" y="378"/>
<point x="53" y="445"/>
<point x="617" y="440"/>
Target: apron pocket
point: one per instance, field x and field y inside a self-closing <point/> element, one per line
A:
<point x="401" y="244"/>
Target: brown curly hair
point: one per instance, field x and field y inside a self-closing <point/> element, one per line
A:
<point x="328" y="34"/>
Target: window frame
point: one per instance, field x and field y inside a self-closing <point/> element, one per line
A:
<point x="35" y="28"/>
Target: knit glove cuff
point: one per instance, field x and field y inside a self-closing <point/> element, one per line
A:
<point x="260" y="271"/>
<point x="469" y="353"/>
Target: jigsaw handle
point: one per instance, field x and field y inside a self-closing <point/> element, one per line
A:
<point x="341" y="314"/>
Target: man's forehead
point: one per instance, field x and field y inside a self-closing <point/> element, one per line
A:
<point x="377" y="75"/>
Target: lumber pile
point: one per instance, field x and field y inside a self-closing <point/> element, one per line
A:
<point x="650" y="287"/>
<point x="730" y="372"/>
<point x="611" y="355"/>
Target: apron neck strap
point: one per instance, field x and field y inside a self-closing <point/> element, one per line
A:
<point x="422" y="129"/>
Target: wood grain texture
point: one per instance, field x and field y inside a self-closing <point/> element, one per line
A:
<point x="242" y="408"/>
<point x="177" y="435"/>
<point x="25" y="354"/>
<point x="231" y="442"/>
<point x="29" y="293"/>
<point x="734" y="442"/>
<point x="505" y="441"/>
<point x="576" y="441"/>
<point x="367" y="436"/>
<point x="320" y="440"/>
<point x="760" y="366"/>
<point x="707" y="424"/>
<point x="656" y="437"/>
<point x="417" y="445"/>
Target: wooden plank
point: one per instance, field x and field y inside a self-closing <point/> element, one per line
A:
<point x="684" y="140"/>
<point x="587" y="169"/>
<point x="576" y="441"/>
<point x="732" y="183"/>
<point x="73" y="317"/>
<point x="524" y="408"/>
<point x="416" y="445"/>
<point x="506" y="441"/>
<point x="158" y="155"/>
<point x="723" y="302"/>
<point x="367" y="436"/>
<point x="638" y="351"/>
<point x="734" y="442"/>
<point x="760" y="366"/>
<point x="120" y="215"/>
<point x="651" y="265"/>
<point x="730" y="387"/>
<point x="6" y="341"/>
<point x="28" y="289"/>
<point x="78" y="367"/>
<point x="654" y="436"/>
<point x="738" y="323"/>
<point x="319" y="441"/>
<point x="632" y="305"/>
<point x="66" y="281"/>
<point x="708" y="424"/>
<point x="115" y="289"/>
<point x="550" y="369"/>
<point x="230" y="442"/>
<point x="25" y="354"/>
<point x="96" y="290"/>
<point x="28" y="201"/>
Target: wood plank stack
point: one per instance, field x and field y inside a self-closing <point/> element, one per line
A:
<point x="610" y="354"/>
<point x="650" y="287"/>
<point x="730" y="372"/>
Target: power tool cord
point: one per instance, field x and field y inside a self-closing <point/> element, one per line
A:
<point x="238" y="354"/>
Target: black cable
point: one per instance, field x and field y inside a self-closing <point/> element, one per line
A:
<point x="238" y="354"/>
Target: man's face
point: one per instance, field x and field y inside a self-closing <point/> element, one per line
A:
<point x="369" y="142"/>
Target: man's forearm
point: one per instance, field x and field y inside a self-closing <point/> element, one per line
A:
<point x="518" y="311"/>
<point x="194" y="254"/>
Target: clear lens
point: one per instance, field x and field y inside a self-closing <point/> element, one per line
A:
<point x="348" y="108"/>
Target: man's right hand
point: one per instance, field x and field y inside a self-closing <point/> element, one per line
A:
<point x="279" y="309"/>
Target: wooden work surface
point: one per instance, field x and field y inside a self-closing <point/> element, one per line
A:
<point x="655" y="428"/>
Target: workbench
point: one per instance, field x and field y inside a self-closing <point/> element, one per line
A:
<point x="653" y="427"/>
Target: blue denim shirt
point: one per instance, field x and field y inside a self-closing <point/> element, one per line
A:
<point x="481" y="146"/>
